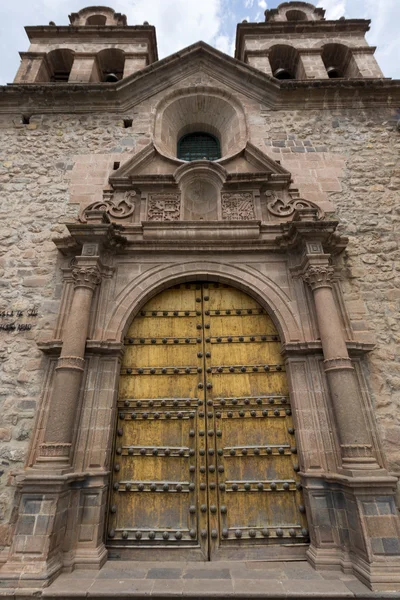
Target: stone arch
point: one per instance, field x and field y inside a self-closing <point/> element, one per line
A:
<point x="133" y="297"/>
<point x="284" y="61"/>
<point x="296" y="15"/>
<point x="338" y="61"/>
<point x="111" y="63"/>
<point x="99" y="20"/>
<point x="59" y="64"/>
<point x="203" y="109"/>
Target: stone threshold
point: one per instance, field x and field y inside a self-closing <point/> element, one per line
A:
<point x="219" y="580"/>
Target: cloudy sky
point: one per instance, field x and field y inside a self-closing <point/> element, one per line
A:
<point x="182" y="22"/>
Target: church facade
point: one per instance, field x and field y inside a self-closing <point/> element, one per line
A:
<point x="200" y="299"/>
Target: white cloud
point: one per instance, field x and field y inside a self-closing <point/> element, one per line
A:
<point x="262" y="4"/>
<point x="334" y="8"/>
<point x="248" y="3"/>
<point x="225" y="44"/>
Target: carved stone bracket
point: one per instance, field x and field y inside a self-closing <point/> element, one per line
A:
<point x="164" y="207"/>
<point x="318" y="276"/>
<point x="86" y="277"/>
<point x="238" y="206"/>
<point x="286" y="206"/>
<point x="120" y="206"/>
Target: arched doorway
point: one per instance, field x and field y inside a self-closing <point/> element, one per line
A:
<point x="205" y="459"/>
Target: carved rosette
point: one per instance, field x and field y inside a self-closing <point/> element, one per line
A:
<point x="318" y="276"/>
<point x="120" y="206"/>
<point x="74" y="363"/>
<point x="238" y="206"/>
<point x="164" y="207"/>
<point x="54" y="450"/>
<point x="87" y="277"/>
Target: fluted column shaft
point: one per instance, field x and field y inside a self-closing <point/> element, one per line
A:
<point x="56" y="447"/>
<point x="353" y="431"/>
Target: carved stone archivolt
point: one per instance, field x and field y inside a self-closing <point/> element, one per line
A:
<point x="318" y="276"/>
<point x="285" y="206"/>
<point x="238" y="206"/>
<point x="86" y="277"/>
<point x="164" y="207"/>
<point x="117" y="206"/>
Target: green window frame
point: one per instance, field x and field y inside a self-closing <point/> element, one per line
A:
<point x="199" y="146"/>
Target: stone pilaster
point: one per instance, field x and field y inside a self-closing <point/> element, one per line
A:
<point x="55" y="451"/>
<point x="355" y="439"/>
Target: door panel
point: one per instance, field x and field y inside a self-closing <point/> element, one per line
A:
<point x="205" y="454"/>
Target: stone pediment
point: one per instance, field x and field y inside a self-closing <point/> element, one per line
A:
<point x="246" y="186"/>
<point x="151" y="166"/>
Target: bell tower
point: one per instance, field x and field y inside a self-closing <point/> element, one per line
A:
<point x="296" y="42"/>
<point x="97" y="46"/>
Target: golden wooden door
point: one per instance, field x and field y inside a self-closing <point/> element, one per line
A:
<point x="205" y="454"/>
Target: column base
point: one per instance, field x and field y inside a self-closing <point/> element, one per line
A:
<point x="379" y="576"/>
<point x="32" y="574"/>
<point x="87" y="558"/>
<point x="355" y="527"/>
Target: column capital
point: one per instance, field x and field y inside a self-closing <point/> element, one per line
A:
<point x="88" y="276"/>
<point x="318" y="276"/>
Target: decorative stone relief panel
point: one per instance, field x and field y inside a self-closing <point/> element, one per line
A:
<point x="238" y="206"/>
<point x="117" y="206"/>
<point x="164" y="207"/>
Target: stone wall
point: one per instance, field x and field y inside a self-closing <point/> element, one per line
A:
<point x="348" y="158"/>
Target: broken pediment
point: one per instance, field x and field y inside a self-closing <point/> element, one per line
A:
<point x="247" y="186"/>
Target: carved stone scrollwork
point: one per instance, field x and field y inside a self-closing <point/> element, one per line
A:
<point x="238" y="206"/>
<point x="318" y="276"/>
<point x="120" y="206"/>
<point x="285" y="207"/>
<point x="54" y="449"/>
<point x="86" y="277"/>
<point x="164" y="207"/>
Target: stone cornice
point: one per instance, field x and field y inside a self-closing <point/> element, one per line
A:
<point x="83" y="98"/>
<point x="106" y="234"/>
<point x="129" y="33"/>
<point x="295" y="349"/>
<point x="289" y="350"/>
<point x="296" y="233"/>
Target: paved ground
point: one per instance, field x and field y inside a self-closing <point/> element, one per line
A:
<point x="246" y="580"/>
<point x="219" y="580"/>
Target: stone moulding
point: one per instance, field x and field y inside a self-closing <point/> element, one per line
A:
<point x="53" y="449"/>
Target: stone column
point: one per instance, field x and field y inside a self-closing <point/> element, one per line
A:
<point x="55" y="451"/>
<point x="355" y="438"/>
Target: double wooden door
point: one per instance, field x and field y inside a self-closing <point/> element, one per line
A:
<point x="205" y="455"/>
